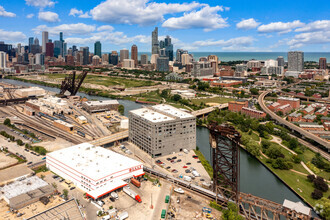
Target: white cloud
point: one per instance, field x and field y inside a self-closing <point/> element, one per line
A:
<point x="67" y="29"/>
<point x="238" y="41"/>
<point x="48" y="16"/>
<point x="4" y="13"/>
<point x="40" y="3"/>
<point x="206" y="18"/>
<point x="300" y="40"/>
<point x="280" y="27"/>
<point x="12" y="35"/>
<point x="142" y="12"/>
<point x="315" y="26"/>
<point x="30" y="16"/>
<point x="246" y="24"/>
<point x="105" y="28"/>
<point x="74" y="12"/>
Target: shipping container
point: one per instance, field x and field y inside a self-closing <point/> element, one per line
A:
<point x="136" y="183"/>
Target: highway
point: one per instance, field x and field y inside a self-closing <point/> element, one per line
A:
<point x="292" y="126"/>
<point x="111" y="138"/>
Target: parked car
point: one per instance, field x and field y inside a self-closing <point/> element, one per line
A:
<point x="179" y="190"/>
<point x="173" y="158"/>
<point x="168" y="159"/>
<point x="29" y="163"/>
<point x="184" y="167"/>
<point x="72" y="188"/>
<point x="188" y="163"/>
<point x="168" y="167"/>
<point x="179" y="160"/>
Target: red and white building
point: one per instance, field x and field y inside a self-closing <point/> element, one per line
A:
<point x="95" y="170"/>
<point x="293" y="102"/>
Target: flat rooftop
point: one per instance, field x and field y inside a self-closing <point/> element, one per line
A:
<point x="152" y="115"/>
<point x="14" y="172"/>
<point x="101" y="102"/>
<point x="20" y="187"/>
<point x="170" y="110"/>
<point x="92" y="161"/>
<point x="288" y="98"/>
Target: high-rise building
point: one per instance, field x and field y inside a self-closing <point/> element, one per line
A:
<point x="179" y="52"/>
<point x="202" y="69"/>
<point x="19" y="48"/>
<point x="162" y="52"/>
<point x="296" y="61"/>
<point x="323" y="63"/>
<point x="57" y="48"/>
<point x="65" y="51"/>
<point x="40" y="59"/>
<point x="98" y="48"/>
<point x="186" y="59"/>
<point x="280" y="61"/>
<point x="144" y="59"/>
<point x="214" y="62"/>
<point x="31" y="39"/>
<point x="113" y="59"/>
<point x="154" y="42"/>
<point x="169" y="48"/>
<point x="44" y="41"/>
<point x="3" y="60"/>
<point x="128" y="64"/>
<point x="36" y="41"/>
<point x="153" y="59"/>
<point x="123" y="55"/>
<point x="134" y="54"/>
<point x="49" y="49"/>
<point x="61" y="37"/>
<point x="85" y="53"/>
<point x="161" y="44"/>
<point x="162" y="64"/>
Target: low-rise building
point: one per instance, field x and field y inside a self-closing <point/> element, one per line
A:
<point x="225" y="83"/>
<point x="274" y="106"/>
<point x="253" y="113"/>
<point x="322" y="111"/>
<point x="285" y="109"/>
<point x="95" y="170"/>
<point x="82" y="119"/>
<point x="100" y="106"/>
<point x="237" y="105"/>
<point x="63" y="125"/>
<point x="293" y="102"/>
<point x="294" y="117"/>
<point x="309" y="118"/>
<point x="326" y="126"/>
<point x="162" y="129"/>
<point x="325" y="119"/>
<point x="32" y="91"/>
<point x="308" y="110"/>
<point x="186" y="94"/>
<point x="311" y="126"/>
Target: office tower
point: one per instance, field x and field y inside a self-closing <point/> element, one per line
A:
<point x="128" y="64"/>
<point x="36" y="41"/>
<point x="323" y="63"/>
<point x="201" y="69"/>
<point x="49" y="49"/>
<point x="134" y="54"/>
<point x="74" y="50"/>
<point x="3" y="60"/>
<point x="105" y="58"/>
<point x="19" y="48"/>
<point x="144" y="59"/>
<point x="162" y="52"/>
<point x="179" y="52"/>
<point x="162" y="64"/>
<point x="296" y="61"/>
<point x="65" y="51"/>
<point x="50" y="41"/>
<point x="113" y="59"/>
<point x="57" y="48"/>
<point x="61" y="36"/>
<point x="153" y="59"/>
<point x="186" y="59"/>
<point x="96" y="60"/>
<point x="85" y="54"/>
<point x="40" y="59"/>
<point x="280" y="61"/>
<point x="154" y="42"/>
<point x="44" y="41"/>
<point x="161" y="44"/>
<point x="123" y="55"/>
<point x="97" y="49"/>
<point x="214" y="60"/>
<point x="169" y="48"/>
<point x="31" y="39"/>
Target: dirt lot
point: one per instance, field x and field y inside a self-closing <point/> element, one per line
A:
<point x="6" y="161"/>
<point x="57" y="144"/>
<point x="190" y="207"/>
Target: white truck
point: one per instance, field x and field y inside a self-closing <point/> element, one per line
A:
<point x="187" y="178"/>
<point x="122" y="216"/>
<point x="132" y="194"/>
<point x="114" y="195"/>
<point x="195" y="173"/>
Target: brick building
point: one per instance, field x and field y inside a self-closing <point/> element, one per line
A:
<point x="309" y="118"/>
<point x="294" y="117"/>
<point x="253" y="113"/>
<point x="237" y="105"/>
<point x="285" y="109"/>
<point x="293" y="102"/>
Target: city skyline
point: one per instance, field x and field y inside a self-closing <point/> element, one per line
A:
<point x="194" y="26"/>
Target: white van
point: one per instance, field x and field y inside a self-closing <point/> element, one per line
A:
<point x="187" y="178"/>
<point x="122" y="216"/>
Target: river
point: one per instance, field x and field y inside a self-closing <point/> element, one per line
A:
<point x="254" y="177"/>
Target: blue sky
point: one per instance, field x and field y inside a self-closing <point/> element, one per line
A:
<point x="214" y="25"/>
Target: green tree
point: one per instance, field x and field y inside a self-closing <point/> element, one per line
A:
<point x="323" y="207"/>
<point x="121" y="109"/>
<point x="164" y="93"/>
<point x="19" y="142"/>
<point x="65" y="194"/>
<point x="6" y="121"/>
<point x="231" y="213"/>
<point x="177" y="97"/>
<point x="254" y="91"/>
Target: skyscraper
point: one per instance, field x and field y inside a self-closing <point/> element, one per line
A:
<point x="162" y="64"/>
<point x="3" y="60"/>
<point x="97" y="48"/>
<point x="144" y="59"/>
<point x="36" y="41"/>
<point x="61" y="36"/>
<point x="280" y="61"/>
<point x="49" y="49"/>
<point x="123" y="55"/>
<point x="57" y="48"/>
<point x="169" y="48"/>
<point x="296" y="61"/>
<point x="40" y="59"/>
<point x="154" y="42"/>
<point x="113" y="59"/>
<point x="44" y="41"/>
<point x="134" y="54"/>
<point x="65" y="51"/>
<point x="161" y="44"/>
<point x="323" y="63"/>
<point x="85" y="53"/>
<point x="30" y="43"/>
<point x="179" y="52"/>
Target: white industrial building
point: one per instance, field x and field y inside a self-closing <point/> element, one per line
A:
<point x="95" y="170"/>
<point x="32" y="91"/>
<point x="50" y="105"/>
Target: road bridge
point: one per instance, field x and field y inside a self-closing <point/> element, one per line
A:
<point x="290" y="125"/>
<point x="110" y="140"/>
<point x="205" y="111"/>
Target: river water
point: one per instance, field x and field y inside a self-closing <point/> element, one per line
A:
<point x="254" y="177"/>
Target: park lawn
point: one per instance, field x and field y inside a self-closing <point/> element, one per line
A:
<point x="296" y="182"/>
<point x="308" y="156"/>
<point x="109" y="81"/>
<point x="219" y="100"/>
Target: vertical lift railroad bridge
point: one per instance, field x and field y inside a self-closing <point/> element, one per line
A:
<point x="225" y="142"/>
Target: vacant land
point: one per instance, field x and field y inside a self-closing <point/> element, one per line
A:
<point x="219" y="100"/>
<point x="6" y="161"/>
<point x="109" y="81"/>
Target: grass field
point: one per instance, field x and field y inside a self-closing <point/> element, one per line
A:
<point x="214" y="100"/>
<point x="109" y="81"/>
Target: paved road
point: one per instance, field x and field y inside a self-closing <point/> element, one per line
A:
<point x="294" y="127"/>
